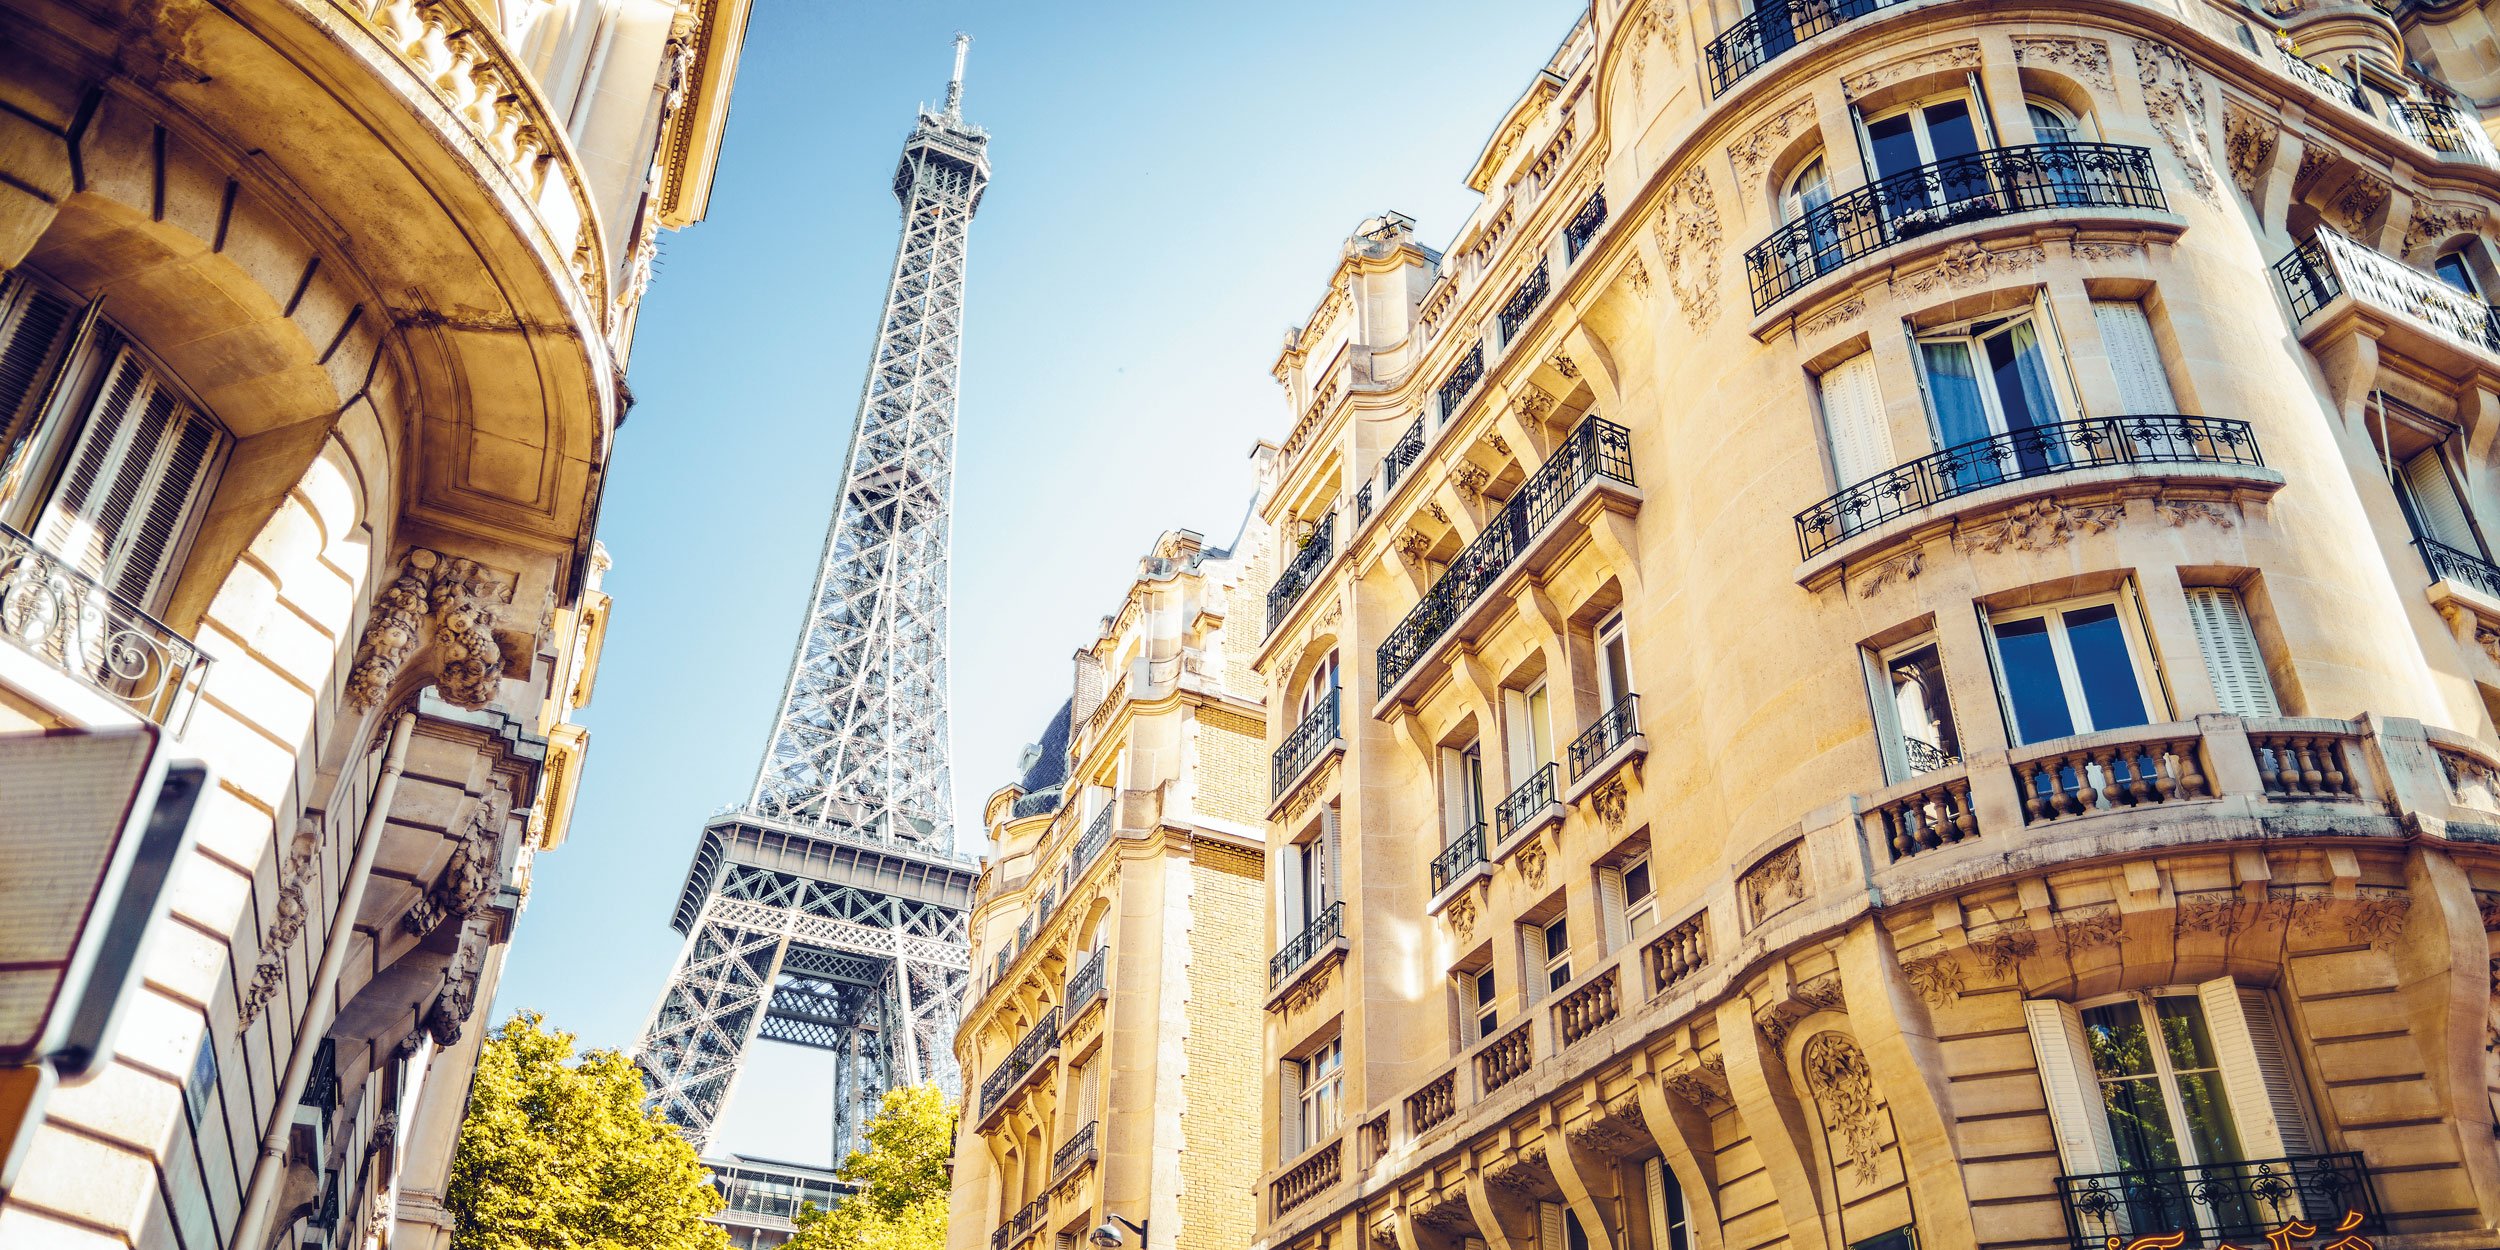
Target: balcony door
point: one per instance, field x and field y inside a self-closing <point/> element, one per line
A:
<point x="1992" y="379"/>
<point x="1318" y="690"/>
<point x="1947" y="132"/>
<point x="2432" y="504"/>
<point x="1853" y="421"/>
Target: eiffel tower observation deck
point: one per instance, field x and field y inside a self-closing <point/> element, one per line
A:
<point x="828" y="910"/>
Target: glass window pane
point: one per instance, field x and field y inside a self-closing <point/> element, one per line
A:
<point x="2031" y="681"/>
<point x="1925" y="713"/>
<point x="2452" y="270"/>
<point x="2122" y="1056"/>
<point x="1895" y="145"/>
<point x="2047" y="124"/>
<point x="2107" y="672"/>
<point x="1949" y="130"/>
<point x="1636" y="881"/>
<point x="2021" y="373"/>
<point x="1953" y="388"/>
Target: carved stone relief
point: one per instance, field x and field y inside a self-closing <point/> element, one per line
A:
<point x="1757" y="149"/>
<point x="1531" y="860"/>
<point x="2086" y="59"/>
<point x="1774" y="884"/>
<point x="2091" y="931"/>
<point x="1617" y="1128"/>
<point x="293" y="876"/>
<point x="2037" y="525"/>
<point x="1703" y="1085"/>
<point x="2174" y="95"/>
<point x="1960" y="56"/>
<point x="2360" y="203"/>
<point x="1533" y="405"/>
<point x="2432" y="224"/>
<point x="1461" y="913"/>
<point x="461" y="598"/>
<point x="1968" y="264"/>
<point x="1411" y="546"/>
<point x="2249" y="140"/>
<point x="1564" y="365"/>
<point x="1937" y="977"/>
<point x="1903" y="568"/>
<point x="1313" y="984"/>
<point x="2005" y="950"/>
<point x="1843" y="313"/>
<point x="1610" y="802"/>
<point x="1688" y="238"/>
<point x="476" y="858"/>
<point x="2178" y="512"/>
<point x="1653" y="21"/>
<point x="1468" y="480"/>
<point x="1837" y="1075"/>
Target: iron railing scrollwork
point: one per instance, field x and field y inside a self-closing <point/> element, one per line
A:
<point x="1774" y="27"/>
<point x="1520" y="807"/>
<point x="1088" y="983"/>
<point x="1600" y="740"/>
<point x="80" y="626"/>
<point x="1462" y="381"/>
<point x="1324" y="928"/>
<point x="1302" y="570"/>
<point x="1037" y="1042"/>
<point x="2240" y="1201"/>
<point x="2449" y="564"/>
<point x="1524" y="301"/>
<point x="1926" y="757"/>
<point x="2039" y="451"/>
<point x="2324" y="81"/>
<point x="1402" y="455"/>
<point x="2441" y="128"/>
<point x="1584" y="226"/>
<point x="1464" y="852"/>
<point x="321" y="1088"/>
<point x="1363" y="503"/>
<point x="2327" y="265"/>
<point x="1932" y="197"/>
<point x="1304" y="744"/>
<point x="1097" y="836"/>
<point x="1595" y="449"/>
<point x="1078" y="1149"/>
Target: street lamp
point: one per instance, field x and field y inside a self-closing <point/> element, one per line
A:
<point x="1109" y="1236"/>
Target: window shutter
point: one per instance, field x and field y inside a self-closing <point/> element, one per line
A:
<point x="2241" y="685"/>
<point x="2256" y="1072"/>
<point x="1330" y="875"/>
<point x="37" y="324"/>
<point x="1663" y="1223"/>
<point x="1853" y="418"/>
<point x="2143" y="385"/>
<point x="1532" y="962"/>
<point x="1610" y="908"/>
<point x="2072" y="1087"/>
<point x="140" y="463"/>
<point x="1549" y="1226"/>
<point x="156" y="524"/>
<point x="1291" y="1120"/>
<point x="1887" y="710"/>
<point x="2435" y="502"/>
<point x="67" y="528"/>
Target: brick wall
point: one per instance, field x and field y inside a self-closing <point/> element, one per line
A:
<point x="1221" y="1083"/>
<point x="1232" y="767"/>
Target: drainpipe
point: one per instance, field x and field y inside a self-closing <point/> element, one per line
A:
<point x="261" y="1194"/>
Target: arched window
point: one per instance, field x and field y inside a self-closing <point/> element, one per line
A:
<point x="2456" y="269"/>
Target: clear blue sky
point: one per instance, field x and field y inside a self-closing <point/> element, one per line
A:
<point x="1171" y="184"/>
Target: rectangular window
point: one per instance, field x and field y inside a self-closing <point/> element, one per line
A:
<point x="2241" y="685"/>
<point x="2134" y="356"/>
<point x="1990" y="378"/>
<point x="1853" y="421"/>
<point x="1557" y="952"/>
<point x="137" y="465"/>
<point x="1478" y="991"/>
<point x="36" y="325"/>
<point x="1462" y="791"/>
<point x="1640" y="899"/>
<point x="2073" y="668"/>
<point x="1668" y="1227"/>
<point x="1913" y="709"/>
<point x="1614" y="663"/>
<point x="2432" y="503"/>
<point x="1531" y="730"/>
<point x="1322" y="1092"/>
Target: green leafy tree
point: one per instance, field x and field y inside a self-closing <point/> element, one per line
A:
<point x="560" y="1155"/>
<point x="903" y="1178"/>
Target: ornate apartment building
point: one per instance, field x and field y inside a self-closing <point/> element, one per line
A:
<point x="1110" y="1057"/>
<point x="314" y="317"/>
<point x="1898" y="646"/>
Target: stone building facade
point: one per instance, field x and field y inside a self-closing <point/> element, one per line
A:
<point x="1108" y="1052"/>
<point x="314" y="317"/>
<point x="1896" y="647"/>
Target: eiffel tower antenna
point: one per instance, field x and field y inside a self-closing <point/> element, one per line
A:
<point x="829" y="910"/>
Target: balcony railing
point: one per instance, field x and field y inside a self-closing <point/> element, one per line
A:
<point x="2040" y="451"/>
<point x="1939" y="815"/>
<point x="1951" y="192"/>
<point x="1584" y="226"/>
<point x="1430" y="1107"/>
<point x="1097" y="836"/>
<point x="1323" y="1169"/>
<point x="1587" y="1009"/>
<point x="1087" y="985"/>
<point x="1679" y="952"/>
<point x="1595" y="448"/>
<point x="1305" y="946"/>
<point x="1029" y="1220"/>
<point x="1074" y="1153"/>
<point x="321" y="1088"/>
<point x="1037" y="1043"/>
<point x="1462" y="381"/>
<point x="1402" y="455"/>
<point x="79" y="626"/>
<point x="1605" y="737"/>
<point x="2324" y="81"/>
<point x="1506" y="1058"/>
<point x="2442" y="129"/>
<point x="1304" y="745"/>
<point x="2327" y="265"/>
<point x="2240" y="1202"/>
<point x="1302" y="570"/>
<point x="1464" y="852"/>
<point x="1520" y="807"/>
<point x="1523" y="302"/>
<point x="2448" y="564"/>
<point x="1773" y="28"/>
<point x="2165" y="767"/>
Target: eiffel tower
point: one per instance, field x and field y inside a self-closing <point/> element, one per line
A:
<point x="828" y="911"/>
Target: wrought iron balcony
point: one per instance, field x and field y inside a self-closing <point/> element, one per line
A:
<point x="1087" y="985"/>
<point x="1926" y="757"/>
<point x="2448" y="564"/>
<point x="1363" y="503"/>
<point x="2327" y="265"/>
<point x="1595" y="449"/>
<point x="1097" y="836"/>
<point x="1464" y="852"/>
<point x="1585" y="225"/>
<point x="1602" y="739"/>
<point x="1029" y="1220"/>
<point x="1303" y="745"/>
<point x="1327" y="927"/>
<point x="1037" y="1044"/>
<point x="2324" y="81"/>
<point x="2221" y="1201"/>
<point x="1772" y="29"/>
<point x="1074" y="1153"/>
<point x="2041" y="451"/>
<point x="321" y="1088"/>
<point x="1915" y="202"/>
<point x="1402" y="455"/>
<point x="1462" y="381"/>
<point x="1524" y="301"/>
<point x="1302" y="570"/>
<point x="81" y="627"/>
<point x="2442" y="129"/>
<point x="1519" y="809"/>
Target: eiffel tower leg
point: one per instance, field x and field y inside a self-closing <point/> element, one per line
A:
<point x="715" y="1001"/>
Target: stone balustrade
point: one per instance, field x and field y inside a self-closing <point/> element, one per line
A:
<point x="1588" y="1008"/>
<point x="2106" y="775"/>
<point x="1937" y="815"/>
<point x="1321" y="1169"/>
<point x="1506" y="1058"/>
<point x="1428" y="1108"/>
<point x="1679" y="952"/>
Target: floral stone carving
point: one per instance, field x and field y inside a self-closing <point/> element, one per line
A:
<point x="1688" y="239"/>
<point x="460" y="598"/>
<point x="1838" y="1076"/>
<point x="289" y="925"/>
<point x="2174" y="94"/>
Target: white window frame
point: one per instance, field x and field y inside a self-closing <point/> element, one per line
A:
<point x="1973" y="334"/>
<point x="1315" y="690"/>
<point x="1479" y="996"/>
<point x="2077" y="129"/>
<point x="1640" y="907"/>
<point x="1893" y="738"/>
<point x="1612" y="642"/>
<point x="1528" y="722"/>
<point x="2140" y="656"/>
<point x="1462" y="790"/>
<point x="2235" y="665"/>
<point x="1557" y="970"/>
<point x="1807" y="188"/>
<point x="1983" y="129"/>
<point x="1321" y="1099"/>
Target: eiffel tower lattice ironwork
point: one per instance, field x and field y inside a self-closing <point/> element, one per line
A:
<point x="829" y="910"/>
